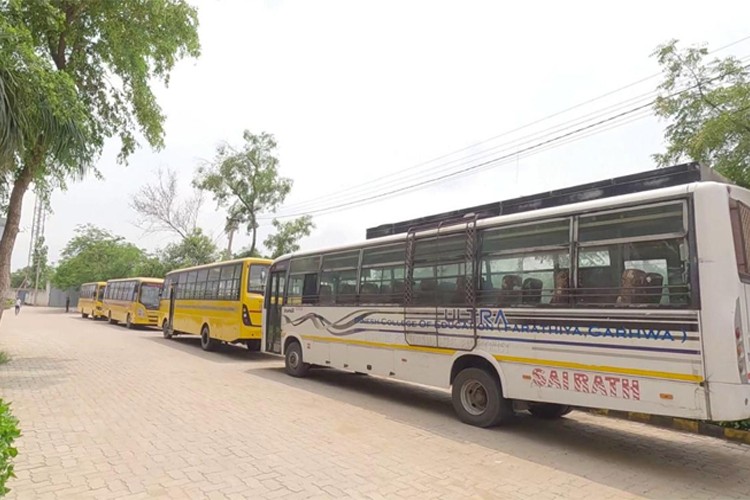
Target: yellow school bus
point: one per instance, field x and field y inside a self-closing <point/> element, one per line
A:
<point x="221" y="302"/>
<point x="133" y="301"/>
<point x="90" y="299"/>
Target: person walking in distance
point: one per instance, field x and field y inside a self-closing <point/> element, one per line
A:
<point x="67" y="303"/>
<point x="18" y="305"/>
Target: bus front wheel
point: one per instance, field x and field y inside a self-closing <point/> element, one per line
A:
<point x="207" y="343"/>
<point x="478" y="399"/>
<point x="109" y="318"/>
<point x="128" y="322"/>
<point x="293" y="363"/>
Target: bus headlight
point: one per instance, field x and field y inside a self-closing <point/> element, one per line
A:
<point x="141" y="312"/>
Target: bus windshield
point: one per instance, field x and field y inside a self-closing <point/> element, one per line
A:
<point x="256" y="281"/>
<point x="150" y="295"/>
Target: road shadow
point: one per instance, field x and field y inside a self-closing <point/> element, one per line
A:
<point x="224" y="353"/>
<point x="597" y="448"/>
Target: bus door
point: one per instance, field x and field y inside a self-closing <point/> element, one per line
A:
<point x="440" y="289"/>
<point x="172" y="298"/>
<point x="274" y="303"/>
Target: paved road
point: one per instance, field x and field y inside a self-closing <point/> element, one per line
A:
<point x="112" y="413"/>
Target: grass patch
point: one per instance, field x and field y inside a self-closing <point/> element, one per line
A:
<point x="4" y="357"/>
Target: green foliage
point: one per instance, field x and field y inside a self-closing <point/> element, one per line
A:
<point x="43" y="120"/>
<point x="18" y="277"/>
<point x="4" y="358"/>
<point x="9" y="431"/>
<point x="113" y="51"/>
<point x="707" y="104"/>
<point x="95" y="254"/>
<point x="246" y="182"/>
<point x="194" y="250"/>
<point x="287" y="235"/>
<point x="151" y="266"/>
<point x="743" y="425"/>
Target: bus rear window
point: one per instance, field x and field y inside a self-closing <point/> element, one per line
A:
<point x="740" y="215"/>
<point x="256" y="281"/>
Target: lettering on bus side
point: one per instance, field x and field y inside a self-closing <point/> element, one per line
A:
<point x="495" y="320"/>
<point x="601" y="385"/>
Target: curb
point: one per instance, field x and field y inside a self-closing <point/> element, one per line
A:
<point x="678" y="424"/>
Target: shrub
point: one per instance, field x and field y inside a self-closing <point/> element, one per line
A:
<point x="8" y="433"/>
<point x="743" y="425"/>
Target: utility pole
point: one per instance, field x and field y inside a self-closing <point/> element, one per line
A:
<point x="37" y="237"/>
<point x="231" y="228"/>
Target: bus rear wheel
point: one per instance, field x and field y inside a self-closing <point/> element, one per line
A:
<point x="207" y="343"/>
<point x="293" y="362"/>
<point x="549" y="411"/>
<point x="478" y="399"/>
<point x="109" y="318"/>
<point x="84" y="315"/>
<point x="165" y="331"/>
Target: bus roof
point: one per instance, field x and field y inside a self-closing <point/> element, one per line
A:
<point x="520" y="217"/>
<point x="634" y="183"/>
<point x="100" y="283"/>
<point x="252" y="260"/>
<point x="142" y="279"/>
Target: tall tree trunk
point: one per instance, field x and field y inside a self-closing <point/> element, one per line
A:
<point x="12" y="224"/>
<point x="255" y="234"/>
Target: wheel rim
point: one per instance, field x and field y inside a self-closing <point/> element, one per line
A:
<point x="293" y="359"/>
<point x="204" y="338"/>
<point x="474" y="397"/>
<point x="127" y="320"/>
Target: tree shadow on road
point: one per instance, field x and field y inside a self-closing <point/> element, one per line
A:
<point x="611" y="452"/>
<point x="35" y="372"/>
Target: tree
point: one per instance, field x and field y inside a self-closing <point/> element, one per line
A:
<point x="92" y="63"/>
<point x="246" y="182"/>
<point x="707" y="104"/>
<point x="18" y="278"/>
<point x="44" y="127"/>
<point x="160" y="209"/>
<point x="95" y="254"/>
<point x="194" y="250"/>
<point x="287" y="235"/>
<point x="151" y="266"/>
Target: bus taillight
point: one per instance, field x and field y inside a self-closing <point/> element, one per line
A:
<point x="246" y="316"/>
<point x="741" y="361"/>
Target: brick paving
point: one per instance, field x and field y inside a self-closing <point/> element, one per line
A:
<point x="112" y="413"/>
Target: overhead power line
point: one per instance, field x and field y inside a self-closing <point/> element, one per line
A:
<point x="312" y="205"/>
<point x="575" y="134"/>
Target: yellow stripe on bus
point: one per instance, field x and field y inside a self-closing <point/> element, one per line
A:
<point x="598" y="368"/>
<point x="380" y="345"/>
<point x="513" y="359"/>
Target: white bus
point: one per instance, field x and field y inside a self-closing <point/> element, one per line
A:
<point x="634" y="302"/>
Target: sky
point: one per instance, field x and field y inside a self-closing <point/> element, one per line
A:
<point x="368" y="97"/>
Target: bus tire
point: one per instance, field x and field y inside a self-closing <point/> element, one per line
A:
<point x="478" y="399"/>
<point x="128" y="322"/>
<point x="549" y="411"/>
<point x="253" y="345"/>
<point x="84" y="315"/>
<point x="165" y="330"/>
<point x="109" y="318"/>
<point x="293" y="362"/>
<point x="207" y="343"/>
